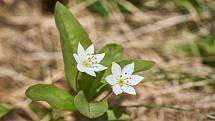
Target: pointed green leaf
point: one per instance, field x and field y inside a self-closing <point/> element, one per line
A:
<point x="3" y="111"/>
<point x="56" y="97"/>
<point x="90" y="110"/>
<point x="98" y="8"/>
<point x="71" y="33"/>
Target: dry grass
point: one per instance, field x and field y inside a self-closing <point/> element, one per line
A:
<point x="30" y="53"/>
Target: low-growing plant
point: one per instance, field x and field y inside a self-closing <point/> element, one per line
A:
<point x="186" y="5"/>
<point x="203" y="47"/>
<point x="3" y="111"/>
<point x="100" y="8"/>
<point x="89" y="74"/>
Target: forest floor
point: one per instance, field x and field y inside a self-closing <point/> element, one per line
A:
<point x="30" y="53"/>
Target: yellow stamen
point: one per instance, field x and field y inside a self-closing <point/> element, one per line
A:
<point x="121" y="82"/>
<point x="85" y="63"/>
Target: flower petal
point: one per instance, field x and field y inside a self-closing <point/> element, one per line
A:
<point x="80" y="68"/>
<point x="134" y="80"/>
<point x="90" y="49"/>
<point x="111" y="79"/>
<point x="129" y="89"/>
<point x="90" y="72"/>
<point x="76" y="58"/>
<point x="99" y="57"/>
<point x="117" y="89"/>
<point x="128" y="70"/>
<point x="116" y="69"/>
<point x="81" y="52"/>
<point x="98" y="67"/>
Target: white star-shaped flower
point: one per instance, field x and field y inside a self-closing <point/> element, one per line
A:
<point x="122" y="80"/>
<point x="87" y="61"/>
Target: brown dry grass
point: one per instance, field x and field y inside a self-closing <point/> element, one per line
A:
<point x="30" y="54"/>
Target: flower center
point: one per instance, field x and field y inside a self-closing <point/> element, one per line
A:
<point x="121" y="82"/>
<point x="92" y="58"/>
<point x="85" y="63"/>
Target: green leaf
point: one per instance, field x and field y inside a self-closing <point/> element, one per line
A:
<point x="90" y="110"/>
<point x="116" y="114"/>
<point x="56" y="97"/>
<point x="71" y="33"/>
<point x="98" y="8"/>
<point x="113" y="52"/>
<point x="3" y="111"/>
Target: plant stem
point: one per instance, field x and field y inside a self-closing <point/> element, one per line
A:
<point x="76" y="79"/>
<point x="154" y="106"/>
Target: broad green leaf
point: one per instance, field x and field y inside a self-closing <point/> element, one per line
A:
<point x="56" y="97"/>
<point x="139" y="65"/>
<point x="71" y="33"/>
<point x="3" y="111"/>
<point x="92" y="109"/>
<point x="113" y="52"/>
<point x="116" y="114"/>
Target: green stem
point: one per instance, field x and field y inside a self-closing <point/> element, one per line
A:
<point x="154" y="106"/>
<point x="77" y="82"/>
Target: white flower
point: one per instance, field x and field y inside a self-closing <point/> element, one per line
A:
<point x="122" y="80"/>
<point x="87" y="61"/>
